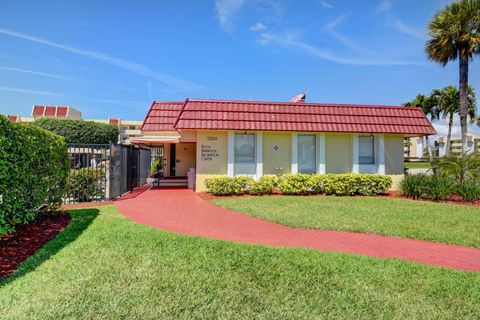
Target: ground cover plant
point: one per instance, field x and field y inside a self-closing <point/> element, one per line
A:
<point x="105" y="266"/>
<point x="456" y="224"/>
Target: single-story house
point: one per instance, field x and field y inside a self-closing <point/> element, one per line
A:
<point x="230" y="137"/>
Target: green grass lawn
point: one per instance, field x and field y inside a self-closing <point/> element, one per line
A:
<point x="456" y="224"/>
<point x="105" y="266"/>
<point x="417" y="165"/>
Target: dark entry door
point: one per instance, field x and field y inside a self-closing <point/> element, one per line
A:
<point x="173" y="159"/>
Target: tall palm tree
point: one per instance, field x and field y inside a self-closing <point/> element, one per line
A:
<point x="430" y="109"/>
<point x="447" y="104"/>
<point x="455" y="34"/>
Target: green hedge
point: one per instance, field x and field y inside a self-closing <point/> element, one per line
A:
<point x="86" y="184"/>
<point x="34" y="166"/>
<point x="303" y="184"/>
<point x="80" y="131"/>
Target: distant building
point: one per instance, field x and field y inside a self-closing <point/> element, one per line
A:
<point x="128" y="129"/>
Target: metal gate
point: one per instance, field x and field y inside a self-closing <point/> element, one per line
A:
<point x="105" y="172"/>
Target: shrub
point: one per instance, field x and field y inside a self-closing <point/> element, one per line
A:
<point x="264" y="185"/>
<point x="468" y="191"/>
<point x="295" y="184"/>
<point x="80" y="131"/>
<point x="226" y="186"/>
<point x="372" y="184"/>
<point x="34" y="166"/>
<point x="86" y="184"/>
<point x="460" y="168"/>
<point x="412" y="186"/>
<point x="242" y="182"/>
<point x="438" y="187"/>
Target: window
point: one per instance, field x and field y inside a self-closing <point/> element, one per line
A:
<point x="366" y="150"/>
<point x="245" y="153"/>
<point x="307" y="153"/>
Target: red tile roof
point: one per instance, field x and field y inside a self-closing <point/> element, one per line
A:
<point x="62" y="111"/>
<point x="286" y="116"/>
<point x="38" y="110"/>
<point x="50" y="111"/>
<point x="12" y="118"/>
<point x="162" y="116"/>
<point x="114" y="121"/>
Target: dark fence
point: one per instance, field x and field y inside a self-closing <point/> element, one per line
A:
<point x="105" y="172"/>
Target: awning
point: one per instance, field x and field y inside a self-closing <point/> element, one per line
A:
<point x="157" y="140"/>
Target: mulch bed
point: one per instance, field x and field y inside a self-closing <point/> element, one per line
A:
<point x="391" y="194"/>
<point x="27" y="239"/>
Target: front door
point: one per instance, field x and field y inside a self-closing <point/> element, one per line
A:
<point x="185" y="158"/>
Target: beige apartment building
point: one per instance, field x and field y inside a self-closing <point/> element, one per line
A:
<point x="129" y="129"/>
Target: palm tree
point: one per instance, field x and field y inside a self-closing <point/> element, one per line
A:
<point x="455" y="34"/>
<point x="430" y="109"/>
<point x="447" y="104"/>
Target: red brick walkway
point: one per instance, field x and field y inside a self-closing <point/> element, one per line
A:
<point x="182" y="211"/>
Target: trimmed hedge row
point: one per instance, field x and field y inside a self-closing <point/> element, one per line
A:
<point x="34" y="166"/>
<point x="80" y="131"/>
<point x="301" y="184"/>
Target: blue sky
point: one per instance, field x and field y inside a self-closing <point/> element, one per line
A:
<point x="111" y="59"/>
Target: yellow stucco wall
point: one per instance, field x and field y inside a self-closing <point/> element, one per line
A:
<point x="277" y="158"/>
<point x="393" y="154"/>
<point x="211" y="156"/>
<point x="338" y="153"/>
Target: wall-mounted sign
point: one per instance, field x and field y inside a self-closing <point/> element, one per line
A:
<point x="276" y="148"/>
<point x="207" y="152"/>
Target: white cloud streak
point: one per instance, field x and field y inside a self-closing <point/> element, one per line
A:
<point x="402" y="27"/>
<point x="288" y="40"/>
<point x="330" y="28"/>
<point x="107" y="59"/>
<point x="29" y="91"/>
<point x="325" y="5"/>
<point x="38" y="73"/>
<point x="226" y="10"/>
<point x="384" y="6"/>
<point x="257" y="27"/>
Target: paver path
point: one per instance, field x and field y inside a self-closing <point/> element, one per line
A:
<point x="182" y="211"/>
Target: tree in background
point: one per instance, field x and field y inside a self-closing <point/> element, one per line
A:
<point x="446" y="103"/>
<point x="429" y="108"/>
<point x="455" y="34"/>
<point x="80" y="131"/>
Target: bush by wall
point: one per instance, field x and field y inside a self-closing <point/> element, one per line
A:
<point x="295" y="184"/>
<point x="264" y="185"/>
<point x="302" y="184"/>
<point x="226" y="186"/>
<point x="80" y="131"/>
<point x="34" y="166"/>
<point x="86" y="184"/>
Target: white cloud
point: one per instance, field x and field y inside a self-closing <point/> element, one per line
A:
<point x="441" y="126"/>
<point x="124" y="64"/>
<point x="38" y="73"/>
<point x="29" y="91"/>
<point x="402" y="27"/>
<point x="288" y="40"/>
<point x="330" y="28"/>
<point x="258" y="27"/>
<point x="325" y="5"/>
<point x="384" y="6"/>
<point x="226" y="10"/>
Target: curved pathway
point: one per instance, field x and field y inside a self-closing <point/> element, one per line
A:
<point x="183" y="211"/>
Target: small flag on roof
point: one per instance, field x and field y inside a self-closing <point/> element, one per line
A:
<point x="299" y="97"/>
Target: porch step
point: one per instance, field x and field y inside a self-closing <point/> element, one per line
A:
<point x="177" y="182"/>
